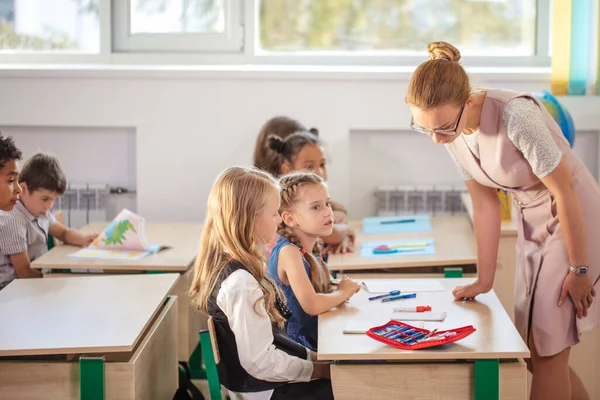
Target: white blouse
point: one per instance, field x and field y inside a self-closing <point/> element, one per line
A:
<point x="254" y="336"/>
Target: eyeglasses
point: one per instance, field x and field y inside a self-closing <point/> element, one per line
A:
<point x="446" y="132"/>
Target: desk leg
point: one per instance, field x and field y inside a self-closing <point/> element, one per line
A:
<point x="487" y="385"/>
<point x="91" y="378"/>
<point x="197" y="370"/>
<point x="453" y="272"/>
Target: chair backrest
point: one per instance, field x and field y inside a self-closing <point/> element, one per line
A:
<point x="53" y="242"/>
<point x="213" y="340"/>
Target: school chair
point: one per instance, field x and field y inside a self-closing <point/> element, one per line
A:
<point x="210" y="352"/>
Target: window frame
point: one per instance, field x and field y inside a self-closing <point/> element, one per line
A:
<point x="229" y="41"/>
<point x="240" y="46"/>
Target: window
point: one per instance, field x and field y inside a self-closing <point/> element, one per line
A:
<point x="67" y="26"/>
<point x="317" y="32"/>
<point x="178" y="25"/>
<point x="477" y="27"/>
<point x="398" y="28"/>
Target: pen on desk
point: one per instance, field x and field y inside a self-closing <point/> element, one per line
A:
<point x="381" y="296"/>
<point x="399" y="221"/>
<point x="413" y="309"/>
<point x="428" y="335"/>
<point x="401" y="296"/>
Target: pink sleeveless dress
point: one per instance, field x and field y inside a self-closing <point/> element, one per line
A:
<point x="542" y="260"/>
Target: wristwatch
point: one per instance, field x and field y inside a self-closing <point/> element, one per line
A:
<point x="581" y="271"/>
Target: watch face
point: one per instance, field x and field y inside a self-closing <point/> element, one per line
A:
<point x="583" y="270"/>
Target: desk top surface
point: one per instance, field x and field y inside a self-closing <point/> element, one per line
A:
<point x="183" y="239"/>
<point x="495" y="336"/>
<point x="103" y="314"/>
<point x="453" y="237"/>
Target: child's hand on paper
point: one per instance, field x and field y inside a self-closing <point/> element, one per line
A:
<point x="88" y="239"/>
<point x="348" y="287"/>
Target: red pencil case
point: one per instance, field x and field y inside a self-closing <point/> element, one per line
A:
<point x="407" y="337"/>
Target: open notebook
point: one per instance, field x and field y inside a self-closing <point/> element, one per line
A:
<point x="123" y="239"/>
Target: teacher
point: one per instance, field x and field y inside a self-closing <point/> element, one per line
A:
<point x="501" y="139"/>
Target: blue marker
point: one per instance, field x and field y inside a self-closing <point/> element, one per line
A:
<point x="385" y="331"/>
<point x="394" y="331"/>
<point x="399" y="221"/>
<point x="381" y="296"/>
<point x="401" y="296"/>
<point x="407" y="333"/>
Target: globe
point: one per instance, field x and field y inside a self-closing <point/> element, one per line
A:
<point x="560" y="114"/>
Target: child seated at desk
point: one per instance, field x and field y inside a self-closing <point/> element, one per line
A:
<point x="9" y="190"/>
<point x="24" y="230"/>
<point x="230" y="284"/>
<point x="303" y="151"/>
<point x="295" y="263"/>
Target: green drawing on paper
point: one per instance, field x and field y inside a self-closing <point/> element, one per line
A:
<point x="115" y="233"/>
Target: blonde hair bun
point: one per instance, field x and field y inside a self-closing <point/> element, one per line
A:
<point x="443" y="50"/>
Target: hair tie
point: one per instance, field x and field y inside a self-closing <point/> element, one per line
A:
<point x="303" y="251"/>
<point x="442" y="58"/>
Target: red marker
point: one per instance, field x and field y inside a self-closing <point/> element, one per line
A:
<point x="413" y="309"/>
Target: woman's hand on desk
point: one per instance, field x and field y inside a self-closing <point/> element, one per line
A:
<point x="468" y="292"/>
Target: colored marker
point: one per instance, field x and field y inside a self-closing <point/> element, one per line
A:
<point x="401" y="296"/>
<point x="407" y="333"/>
<point x="381" y="296"/>
<point x="393" y="331"/>
<point x="428" y="335"/>
<point x="414" y="338"/>
<point x="399" y="221"/>
<point x="413" y="309"/>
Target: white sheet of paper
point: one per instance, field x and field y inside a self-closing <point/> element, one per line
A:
<point x="403" y="285"/>
<point x="419" y="316"/>
<point x="362" y="326"/>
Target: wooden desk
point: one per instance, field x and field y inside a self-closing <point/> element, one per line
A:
<point x="585" y="358"/>
<point x="445" y="372"/>
<point x="454" y="246"/>
<point x="122" y="330"/>
<point x="183" y="239"/>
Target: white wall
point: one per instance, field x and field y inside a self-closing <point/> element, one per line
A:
<point x="190" y="125"/>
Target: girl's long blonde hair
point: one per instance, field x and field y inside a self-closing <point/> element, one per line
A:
<point x="235" y="201"/>
<point x="291" y="184"/>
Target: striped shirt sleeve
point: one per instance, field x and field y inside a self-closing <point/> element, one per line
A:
<point x="13" y="234"/>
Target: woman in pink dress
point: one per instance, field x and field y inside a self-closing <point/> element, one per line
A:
<point x="507" y="140"/>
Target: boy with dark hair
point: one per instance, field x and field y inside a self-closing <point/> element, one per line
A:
<point x="24" y="230"/>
